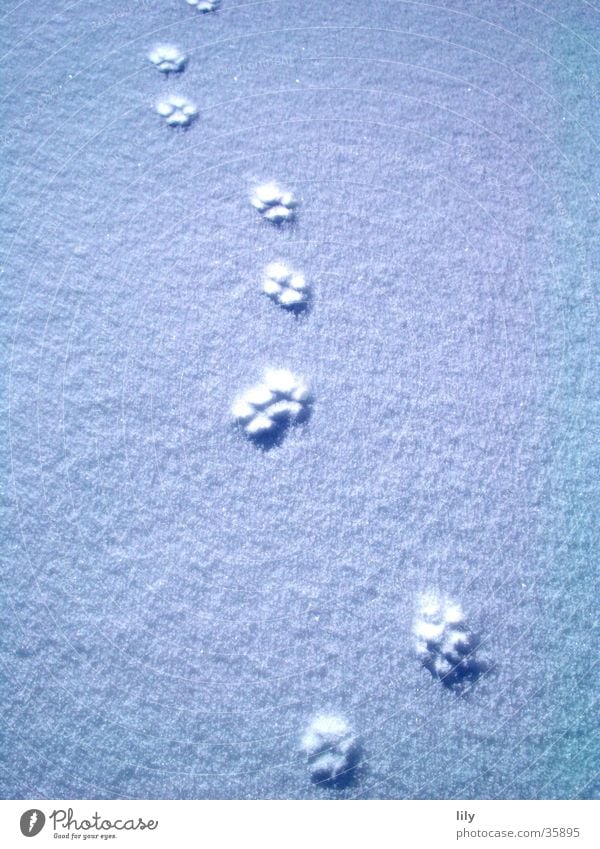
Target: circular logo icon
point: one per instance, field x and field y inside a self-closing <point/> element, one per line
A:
<point x="32" y="822"/>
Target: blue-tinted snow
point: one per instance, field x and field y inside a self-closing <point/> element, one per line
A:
<point x="179" y="604"/>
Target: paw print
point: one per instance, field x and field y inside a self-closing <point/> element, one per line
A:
<point x="286" y="287"/>
<point x="177" y="111"/>
<point x="273" y="203"/>
<point x="204" y="5"/>
<point x="268" y="409"/>
<point x="168" y="58"/>
<point x="445" y="644"/>
<point x="331" y="750"/>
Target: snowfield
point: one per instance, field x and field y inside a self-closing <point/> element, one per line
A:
<point x="206" y="561"/>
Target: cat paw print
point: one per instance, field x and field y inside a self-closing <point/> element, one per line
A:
<point x="168" y="58"/>
<point x="445" y="644"/>
<point x="332" y="750"/>
<point x="204" y="5"/>
<point x="286" y="287"/>
<point x="177" y="111"/>
<point x="267" y="410"/>
<point x="274" y="203"/>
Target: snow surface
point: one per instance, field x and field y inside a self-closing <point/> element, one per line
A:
<point x="178" y="604"/>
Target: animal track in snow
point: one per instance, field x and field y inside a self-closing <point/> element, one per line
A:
<point x="177" y="111"/>
<point x="274" y="203"/>
<point x="331" y="750"/>
<point x="168" y="58"/>
<point x="267" y="410"/>
<point x="204" y="5"/>
<point x="445" y="643"/>
<point x="286" y="287"/>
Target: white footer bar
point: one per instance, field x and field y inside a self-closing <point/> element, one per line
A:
<point x="301" y="825"/>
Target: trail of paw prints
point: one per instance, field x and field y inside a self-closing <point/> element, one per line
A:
<point x="332" y="751"/>
<point x="445" y="643"/>
<point x="286" y="287"/>
<point x="176" y="109"/>
<point x="267" y="410"/>
<point x="275" y="204"/>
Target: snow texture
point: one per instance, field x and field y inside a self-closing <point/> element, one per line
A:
<point x="331" y="749"/>
<point x="266" y="410"/>
<point x="178" y="603"/>
<point x="167" y="58"/>
<point x="275" y="204"/>
<point x="286" y="287"/>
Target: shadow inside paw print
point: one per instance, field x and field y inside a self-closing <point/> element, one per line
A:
<point x="458" y="667"/>
<point x="266" y="411"/>
<point x="446" y="645"/>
